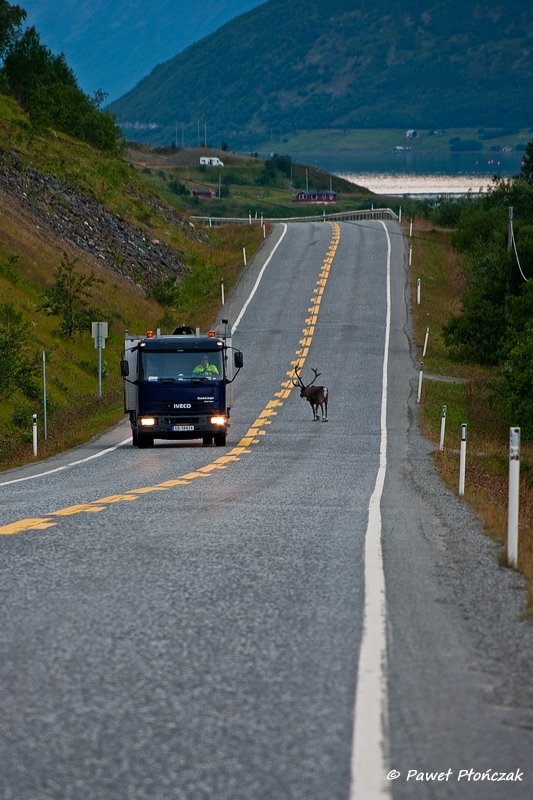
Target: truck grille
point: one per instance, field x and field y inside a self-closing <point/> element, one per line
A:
<point x="181" y="420"/>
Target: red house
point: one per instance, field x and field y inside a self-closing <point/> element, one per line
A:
<point x="203" y="193"/>
<point x="326" y="196"/>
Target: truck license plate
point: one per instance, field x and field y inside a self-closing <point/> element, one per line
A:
<point x="183" y="427"/>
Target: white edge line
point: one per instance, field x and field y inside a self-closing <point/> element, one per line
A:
<point x="370" y="730"/>
<point x="258" y="281"/>
<point x="66" y="466"/>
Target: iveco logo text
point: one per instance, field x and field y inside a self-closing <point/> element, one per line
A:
<point x="182" y="405"/>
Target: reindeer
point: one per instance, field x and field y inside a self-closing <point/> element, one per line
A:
<point x="316" y="395"/>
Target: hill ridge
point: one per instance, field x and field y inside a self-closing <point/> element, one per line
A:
<point x="309" y="65"/>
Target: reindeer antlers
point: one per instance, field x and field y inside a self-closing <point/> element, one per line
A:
<point x="299" y="381"/>
<point x="297" y="371"/>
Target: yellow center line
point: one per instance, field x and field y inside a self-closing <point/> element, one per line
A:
<point x="242" y="448"/>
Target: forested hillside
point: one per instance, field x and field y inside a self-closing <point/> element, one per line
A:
<point x="112" y="46"/>
<point x="311" y="64"/>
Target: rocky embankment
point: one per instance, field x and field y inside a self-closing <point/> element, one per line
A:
<point x="125" y="248"/>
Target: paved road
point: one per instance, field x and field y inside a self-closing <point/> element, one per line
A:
<point x="187" y="622"/>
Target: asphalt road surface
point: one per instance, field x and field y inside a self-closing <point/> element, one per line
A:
<point x="288" y="617"/>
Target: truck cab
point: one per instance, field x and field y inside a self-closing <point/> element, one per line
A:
<point x="179" y="386"/>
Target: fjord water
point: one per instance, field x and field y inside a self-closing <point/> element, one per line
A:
<point x="417" y="174"/>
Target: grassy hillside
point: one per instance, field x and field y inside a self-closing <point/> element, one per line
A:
<point x="62" y="200"/>
<point x="244" y="184"/>
<point x="309" y="64"/>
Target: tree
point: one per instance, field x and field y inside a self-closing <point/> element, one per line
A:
<point x="527" y="163"/>
<point x="18" y="362"/>
<point x="30" y="65"/>
<point x="69" y="299"/>
<point x="515" y="390"/>
<point x="46" y="87"/>
<point x="11" y="18"/>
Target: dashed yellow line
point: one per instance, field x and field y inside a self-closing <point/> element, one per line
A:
<point x="242" y="448"/>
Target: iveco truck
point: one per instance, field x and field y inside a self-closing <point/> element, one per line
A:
<point x="179" y="386"/>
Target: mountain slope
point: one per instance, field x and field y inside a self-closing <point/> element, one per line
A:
<point x="111" y="46"/>
<point x="311" y="64"/>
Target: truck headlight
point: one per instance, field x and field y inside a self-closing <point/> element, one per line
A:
<point x="147" y="421"/>
<point x="218" y="420"/>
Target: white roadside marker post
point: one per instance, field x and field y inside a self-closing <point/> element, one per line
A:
<point x="244" y="254"/>
<point x="425" y="343"/>
<point x="442" y="428"/>
<point x="514" y="489"/>
<point x="462" y="460"/>
<point x="99" y="332"/>
<point x="418" y="285"/>
<point x="411" y="228"/>
<point x="420" y="376"/>
<point x="44" y="398"/>
<point x="35" y="434"/>
<point x="400" y="215"/>
<point x="222" y="289"/>
<point x="410" y="255"/>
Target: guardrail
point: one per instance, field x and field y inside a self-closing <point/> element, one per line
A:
<point x="340" y="216"/>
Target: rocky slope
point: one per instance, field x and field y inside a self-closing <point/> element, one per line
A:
<point x="85" y="224"/>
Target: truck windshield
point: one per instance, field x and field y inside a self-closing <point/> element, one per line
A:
<point x="162" y="365"/>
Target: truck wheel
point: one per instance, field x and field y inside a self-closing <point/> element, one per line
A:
<point x="145" y="441"/>
<point x="207" y="439"/>
<point x="134" y="439"/>
<point x="220" y="439"/>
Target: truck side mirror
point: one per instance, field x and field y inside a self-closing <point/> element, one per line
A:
<point x="124" y="369"/>
<point x="238" y="359"/>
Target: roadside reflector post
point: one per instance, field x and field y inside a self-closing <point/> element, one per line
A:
<point x="244" y="254"/>
<point x="418" y="285"/>
<point x="44" y="398"/>
<point x="420" y="376"/>
<point x="99" y="332"/>
<point x="514" y="489"/>
<point x="410" y="255"/>
<point x="425" y="343"/>
<point x="462" y="460"/>
<point x="35" y="434"/>
<point x="249" y="217"/>
<point x="261" y="219"/>
<point x="442" y="428"/>
<point x="411" y="228"/>
<point x="222" y="289"/>
<point x="264" y="231"/>
<point x="400" y="215"/>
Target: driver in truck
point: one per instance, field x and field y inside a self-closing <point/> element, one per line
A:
<point x="205" y="369"/>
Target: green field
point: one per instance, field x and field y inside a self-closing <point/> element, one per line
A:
<point x="385" y="139"/>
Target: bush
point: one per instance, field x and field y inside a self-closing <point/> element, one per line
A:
<point x="466" y="146"/>
<point x="515" y="390"/>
